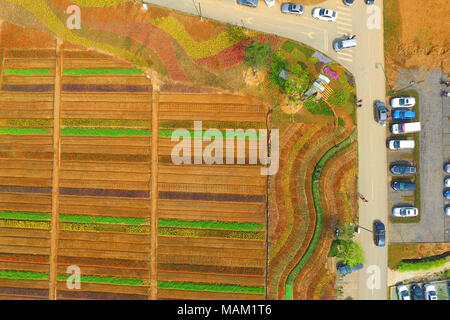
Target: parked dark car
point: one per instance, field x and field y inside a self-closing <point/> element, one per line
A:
<point x="248" y="3"/>
<point x="344" y="269"/>
<point x="348" y="2"/>
<point x="381" y="113"/>
<point x="369" y="1"/>
<point x="417" y="292"/>
<point x="403" y="169"/>
<point x="379" y="233"/>
<point x="403" y="185"/>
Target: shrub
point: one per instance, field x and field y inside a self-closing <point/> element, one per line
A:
<point x="424" y="264"/>
<point x="338" y="98"/>
<point x="341" y="122"/>
<point x="278" y="63"/>
<point x="318" y="108"/>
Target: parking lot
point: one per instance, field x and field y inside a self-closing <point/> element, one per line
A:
<point x="442" y="290"/>
<point x="434" y="226"/>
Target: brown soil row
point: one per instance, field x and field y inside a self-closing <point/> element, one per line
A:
<point x="25" y="241"/>
<point x="26" y="207"/>
<point x="24" y="63"/>
<point x="104" y="166"/>
<point x="26" y="182"/>
<point x="211" y="251"/>
<point x="26" y="233"/>
<point x="33" y="267"/>
<point x="206" y="295"/>
<point x="74" y="63"/>
<point x="166" y="145"/>
<point x="25" y="164"/>
<point x="25" y="198"/>
<point x="108" y="79"/>
<point x="92" y="175"/>
<point x="119" y="142"/>
<point x="255" y="217"/>
<point x="104" y="237"/>
<point x="26" y="80"/>
<point x="224" y="207"/>
<point x="24" y="250"/>
<point x="211" y="278"/>
<point x="109" y="272"/>
<point x="103" y="246"/>
<point x="28" y="173"/>
<point x="109" y="288"/>
<point x="14" y="114"/>
<point x="212" y="188"/>
<point x="104" y="201"/>
<point x="118" y="105"/>
<point x="8" y="142"/>
<point x="102" y="184"/>
<point x="207" y="260"/>
<point x="87" y="253"/>
<point x="34" y="53"/>
<point x="100" y="210"/>
<point x="208" y="99"/>
<point x="26" y="148"/>
<point x="29" y="106"/>
<point x="35" y="284"/>
<point x="27" y="97"/>
<point x="228" y="170"/>
<point x="72" y="148"/>
<point x="113" y="115"/>
<point x="20" y="297"/>
<point x="208" y="179"/>
<point x="211" y="242"/>
<point x="106" y="97"/>
<point x="211" y="116"/>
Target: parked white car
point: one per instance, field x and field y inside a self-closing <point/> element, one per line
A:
<point x="403" y="102"/>
<point x="447" y="210"/>
<point x="401" y="144"/>
<point x="430" y="292"/>
<point x="405" y="212"/>
<point x="292" y="8"/>
<point x="447" y="182"/>
<point x="324" y="14"/>
<point x="403" y="292"/>
<point x="270" y="3"/>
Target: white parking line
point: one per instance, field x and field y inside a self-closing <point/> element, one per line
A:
<point x="344" y="30"/>
<point x="345" y="18"/>
<point x="345" y="59"/>
<point x="345" y="54"/>
<point x="344" y="9"/>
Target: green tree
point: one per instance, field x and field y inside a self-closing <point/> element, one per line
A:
<point x="351" y="253"/>
<point x="257" y="55"/>
<point x="236" y="33"/>
<point x="297" y="82"/>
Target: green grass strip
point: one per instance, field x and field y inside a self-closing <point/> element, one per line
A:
<point x="102" y="71"/>
<point x="106" y="280"/>
<point x="319" y="213"/>
<point x="22" y="275"/>
<point x="24" y="131"/>
<point x="105" y="123"/>
<point x="25" y="215"/>
<point x="100" y="219"/>
<point x="26" y="72"/>
<point x="191" y="286"/>
<point x="166" y="133"/>
<point x="26" y="122"/>
<point x="244" y="226"/>
<point x="97" y="132"/>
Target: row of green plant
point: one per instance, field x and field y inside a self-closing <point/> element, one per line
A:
<point x="210" y="233"/>
<point x="26" y="72"/>
<point x="102" y="71"/>
<point x="25" y="215"/>
<point x="319" y="212"/>
<point x="242" y="226"/>
<point x="26" y="122"/>
<point x="166" y="133"/>
<point x="101" y="219"/>
<point x="24" y="131"/>
<point x="109" y="132"/>
<point x="106" y="280"/>
<point x="422" y="264"/>
<point x="191" y="286"/>
<point x="22" y="275"/>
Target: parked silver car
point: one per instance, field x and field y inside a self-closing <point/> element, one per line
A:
<point x="248" y="3"/>
<point x="293" y="8"/>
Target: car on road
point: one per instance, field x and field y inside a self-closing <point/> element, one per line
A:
<point x="447" y="167"/>
<point x="403" y="115"/>
<point x="293" y="8"/>
<point x="403" y="185"/>
<point x="379" y="233"/>
<point x="248" y="3"/>
<point x="270" y="3"/>
<point x="430" y="292"/>
<point x="344" y="269"/>
<point x="403" y="102"/>
<point x="344" y="44"/>
<point x="381" y="113"/>
<point x="447" y="210"/>
<point x="397" y="169"/>
<point x="405" y="212"/>
<point x="369" y="1"/>
<point x="447" y="194"/>
<point x="349" y="2"/>
<point x="417" y="292"/>
<point x="403" y="292"/>
<point x="447" y="182"/>
<point x="401" y="144"/>
<point x="324" y="14"/>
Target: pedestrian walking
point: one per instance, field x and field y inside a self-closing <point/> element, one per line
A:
<point x="359" y="105"/>
<point x="353" y="36"/>
<point x="360" y="100"/>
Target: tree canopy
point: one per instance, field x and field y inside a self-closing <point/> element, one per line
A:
<point x="257" y="55"/>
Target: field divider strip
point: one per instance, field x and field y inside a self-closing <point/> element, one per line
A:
<point x="55" y="176"/>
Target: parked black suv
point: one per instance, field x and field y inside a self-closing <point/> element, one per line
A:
<point x="403" y="185"/>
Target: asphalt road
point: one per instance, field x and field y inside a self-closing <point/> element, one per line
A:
<point x="366" y="62"/>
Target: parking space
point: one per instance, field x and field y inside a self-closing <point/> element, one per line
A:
<point x="442" y="290"/>
<point x="434" y="226"/>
